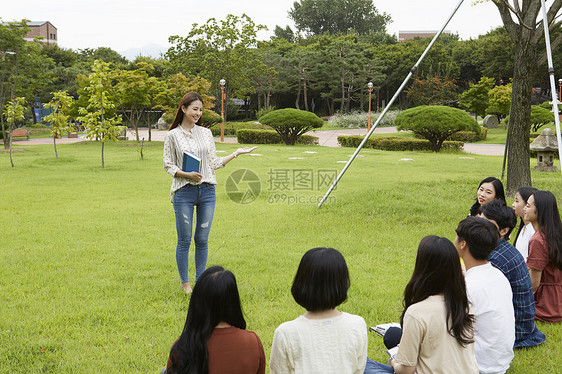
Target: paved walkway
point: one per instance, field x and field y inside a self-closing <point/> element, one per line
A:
<point x="328" y="138"/>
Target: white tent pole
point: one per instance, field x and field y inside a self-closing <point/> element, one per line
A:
<point x="555" y="101"/>
<point x="412" y="71"/>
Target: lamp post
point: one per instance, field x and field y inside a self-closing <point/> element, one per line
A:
<point x="222" y="82"/>
<point x="370" y="85"/>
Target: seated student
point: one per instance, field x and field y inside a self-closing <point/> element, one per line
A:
<point x="438" y="335"/>
<point x="510" y="262"/>
<point x="545" y="255"/>
<point x="214" y="339"/>
<point x="322" y="340"/>
<point x="489" y="293"/>
<point x="489" y="189"/>
<point x="526" y="229"/>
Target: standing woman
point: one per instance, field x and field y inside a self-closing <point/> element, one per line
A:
<point x="214" y="339"/>
<point x="322" y="340"/>
<point x="526" y="230"/>
<point x="437" y="327"/>
<point x="192" y="190"/>
<point x="489" y="189"/>
<point x="545" y="255"/>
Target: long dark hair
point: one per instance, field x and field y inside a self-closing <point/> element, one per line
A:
<point x="525" y="193"/>
<point x="548" y="218"/>
<point x="214" y="299"/>
<point x="187" y="99"/>
<point x="438" y="271"/>
<point x="498" y="188"/>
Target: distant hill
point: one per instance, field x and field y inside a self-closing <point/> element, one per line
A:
<point x="149" y="50"/>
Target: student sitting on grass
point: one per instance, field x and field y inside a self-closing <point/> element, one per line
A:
<point x="322" y="340"/>
<point x="437" y="335"/>
<point x="510" y="262"/>
<point x="489" y="293"/>
<point x="489" y="189"/>
<point x="545" y="255"/>
<point x="214" y="339"/>
<point x="526" y="229"/>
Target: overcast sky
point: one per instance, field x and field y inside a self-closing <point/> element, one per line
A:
<point x="124" y="24"/>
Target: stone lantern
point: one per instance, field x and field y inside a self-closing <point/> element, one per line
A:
<point x="546" y="147"/>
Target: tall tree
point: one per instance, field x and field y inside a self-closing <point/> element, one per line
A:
<point x="475" y="99"/>
<point x="220" y="50"/>
<point x="23" y="70"/>
<point x="132" y="92"/>
<point x="13" y="111"/>
<point x="60" y="106"/>
<point x="314" y="17"/>
<point x="520" y="20"/>
<point x="98" y="124"/>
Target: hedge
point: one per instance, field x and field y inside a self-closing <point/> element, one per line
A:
<point x="256" y="136"/>
<point x="394" y="143"/>
<point x="231" y="128"/>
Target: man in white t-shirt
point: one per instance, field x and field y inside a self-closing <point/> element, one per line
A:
<point x="490" y="295"/>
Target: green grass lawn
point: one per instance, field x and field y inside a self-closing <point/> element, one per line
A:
<point x="87" y="255"/>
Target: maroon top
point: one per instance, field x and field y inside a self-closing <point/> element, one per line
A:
<point x="234" y="351"/>
<point x="548" y="297"/>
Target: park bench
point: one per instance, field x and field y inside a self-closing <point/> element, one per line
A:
<point x="20" y="133"/>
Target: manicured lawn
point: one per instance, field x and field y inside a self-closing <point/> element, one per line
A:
<point x="89" y="281"/>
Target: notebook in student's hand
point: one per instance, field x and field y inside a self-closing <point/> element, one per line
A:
<point x="191" y="162"/>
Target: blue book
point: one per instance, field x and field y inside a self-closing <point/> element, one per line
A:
<point x="191" y="162"/>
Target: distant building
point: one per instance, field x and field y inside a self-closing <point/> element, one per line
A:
<point x="410" y="35"/>
<point x="41" y="28"/>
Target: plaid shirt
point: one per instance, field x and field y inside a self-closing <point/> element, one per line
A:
<point x="510" y="262"/>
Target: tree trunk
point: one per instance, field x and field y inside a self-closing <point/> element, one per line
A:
<point x="305" y="95"/>
<point x="342" y="80"/>
<point x="518" y="168"/>
<point x="10" y="145"/>
<point x="298" y="99"/>
<point x="102" y="161"/>
<point x="136" y="127"/>
<point x="55" y="144"/>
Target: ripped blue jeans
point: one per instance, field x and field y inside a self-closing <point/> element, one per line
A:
<point x="203" y="198"/>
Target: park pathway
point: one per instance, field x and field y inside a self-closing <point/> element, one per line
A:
<point x="327" y="138"/>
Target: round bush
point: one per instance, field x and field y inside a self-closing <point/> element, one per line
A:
<point x="291" y="123"/>
<point x="436" y="123"/>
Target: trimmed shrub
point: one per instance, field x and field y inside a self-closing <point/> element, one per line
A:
<point x="436" y="123"/>
<point x="251" y="136"/>
<point x="394" y="143"/>
<point x="291" y="123"/>
<point x="360" y="119"/>
<point x="230" y="128"/>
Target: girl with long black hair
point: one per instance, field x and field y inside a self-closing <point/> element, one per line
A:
<point x="545" y="255"/>
<point x="214" y="339"/>
<point x="437" y="327"/>
<point x="526" y="230"/>
<point x="489" y="189"/>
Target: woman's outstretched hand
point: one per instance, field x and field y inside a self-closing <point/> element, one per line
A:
<point x="241" y="151"/>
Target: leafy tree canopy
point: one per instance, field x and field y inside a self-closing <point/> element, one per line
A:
<point x="475" y="99"/>
<point x="314" y="17"/>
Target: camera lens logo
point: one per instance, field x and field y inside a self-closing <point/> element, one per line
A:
<point x="243" y="186"/>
